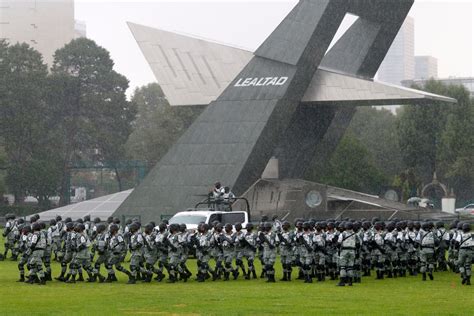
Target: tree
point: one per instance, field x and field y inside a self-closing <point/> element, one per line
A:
<point x="22" y="80"/>
<point x="419" y="131"/>
<point x="158" y="125"/>
<point x="89" y="107"/>
<point x="377" y="130"/>
<point x="456" y="149"/>
<point x="438" y="137"/>
<point x="351" y="167"/>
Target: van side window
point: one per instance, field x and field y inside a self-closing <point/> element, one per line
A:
<point x="233" y="218"/>
<point x="215" y="217"/>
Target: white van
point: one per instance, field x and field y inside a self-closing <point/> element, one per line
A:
<point x="193" y="218"/>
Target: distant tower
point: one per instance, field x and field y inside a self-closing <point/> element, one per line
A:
<point x="80" y="29"/>
<point x="426" y="67"/>
<point x="399" y="64"/>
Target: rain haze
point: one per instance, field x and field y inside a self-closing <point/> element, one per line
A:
<point x="443" y="29"/>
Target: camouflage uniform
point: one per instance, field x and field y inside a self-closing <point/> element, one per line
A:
<point x="269" y="241"/>
<point x="35" y="261"/>
<point x="465" y="242"/>
<point x="286" y="239"/>
<point x="348" y="242"/>
<point x="427" y="241"/>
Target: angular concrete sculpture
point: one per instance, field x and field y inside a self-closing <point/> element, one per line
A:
<point x="292" y="100"/>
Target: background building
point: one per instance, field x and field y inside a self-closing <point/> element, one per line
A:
<point x="426" y="67"/>
<point x="399" y="64"/>
<point x="468" y="82"/>
<point x="80" y="29"/>
<point x="45" y="25"/>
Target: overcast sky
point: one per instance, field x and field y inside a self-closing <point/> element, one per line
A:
<point x="443" y="29"/>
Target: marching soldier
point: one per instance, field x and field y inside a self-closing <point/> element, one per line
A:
<point x="348" y="242"/>
<point x="427" y="240"/>
<point x="286" y="250"/>
<point x="465" y="243"/>
<point x="36" y="252"/>
<point x="269" y="242"/>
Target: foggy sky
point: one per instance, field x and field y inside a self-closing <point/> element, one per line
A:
<point x="443" y="29"/>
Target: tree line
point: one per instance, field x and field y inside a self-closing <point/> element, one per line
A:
<point x="77" y="111"/>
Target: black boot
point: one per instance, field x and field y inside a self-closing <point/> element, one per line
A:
<point x="81" y="278"/>
<point x="424" y="276"/>
<point x="30" y="280"/>
<point x="247" y="276"/>
<point x="114" y="278"/>
<point x="349" y="281"/>
<point x="226" y="276"/>
<point x="270" y="278"/>
<point x="235" y="274"/>
<point x="22" y="278"/>
<point x="468" y="281"/>
<point x="430" y="274"/>
<point x="48" y="276"/>
<point x="160" y="276"/>
<point x="100" y="277"/>
<point x="341" y="282"/>
<point x="61" y="277"/>
<point x="72" y="279"/>
<point x="67" y="277"/>
<point x="284" y="277"/>
<point x="171" y="278"/>
<point x="389" y="275"/>
<point x="254" y="274"/>
<point x="131" y="279"/>
<point x="262" y="275"/>
<point x="109" y="279"/>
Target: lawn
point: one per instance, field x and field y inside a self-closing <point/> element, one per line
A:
<point x="402" y="296"/>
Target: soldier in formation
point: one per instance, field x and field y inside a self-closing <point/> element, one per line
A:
<point x="336" y="250"/>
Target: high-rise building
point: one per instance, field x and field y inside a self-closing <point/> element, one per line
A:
<point x="426" y="67"/>
<point x="80" y="29"/>
<point x="399" y="64"/>
<point x="46" y="25"/>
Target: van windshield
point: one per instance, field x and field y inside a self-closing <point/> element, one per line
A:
<point x="187" y="219"/>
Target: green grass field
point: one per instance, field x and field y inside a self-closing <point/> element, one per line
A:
<point x="402" y="296"/>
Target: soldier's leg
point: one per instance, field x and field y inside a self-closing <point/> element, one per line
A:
<point x="379" y="265"/>
<point x="240" y="262"/>
<point x="73" y="267"/>
<point x="38" y="266"/>
<point x="356" y="272"/>
<point x="308" y="261"/>
<point x="15" y="250"/>
<point x="350" y="259"/>
<point x="21" y="267"/>
<point x="110" y="270"/>
<point x="342" y="263"/>
<point x="423" y="264"/>
<point x="250" y="264"/>
<point x="47" y="264"/>
<point x="431" y="264"/>
<point x="468" y="266"/>
<point x="269" y="266"/>
<point x="321" y="267"/>
<point x="173" y="268"/>
<point x="162" y="264"/>
<point x="119" y="267"/>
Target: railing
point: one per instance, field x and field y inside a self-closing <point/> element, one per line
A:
<point x="215" y="203"/>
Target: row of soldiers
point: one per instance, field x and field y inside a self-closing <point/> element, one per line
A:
<point x="339" y="250"/>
